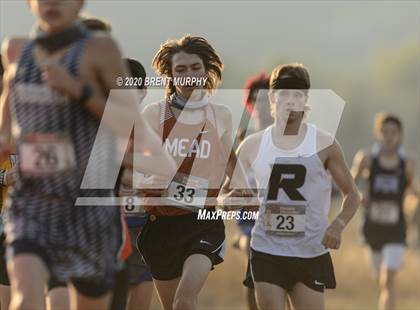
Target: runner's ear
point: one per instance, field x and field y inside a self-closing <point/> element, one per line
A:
<point x="272" y="100"/>
<point x="271" y="96"/>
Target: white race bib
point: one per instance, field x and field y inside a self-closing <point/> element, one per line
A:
<point x="44" y="154"/>
<point x="131" y="209"/>
<point x="129" y="205"/>
<point x="188" y="192"/>
<point x="384" y="212"/>
<point x="285" y="220"/>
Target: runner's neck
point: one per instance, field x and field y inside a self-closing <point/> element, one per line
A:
<point x="389" y="160"/>
<point x="181" y="102"/>
<point x="53" y="42"/>
<point x="288" y="142"/>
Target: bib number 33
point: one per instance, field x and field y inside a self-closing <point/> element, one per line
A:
<point x="188" y="192"/>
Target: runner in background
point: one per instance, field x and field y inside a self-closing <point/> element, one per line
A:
<point x="134" y="286"/>
<point x="257" y="105"/>
<point x="389" y="174"/>
<point x="7" y="178"/>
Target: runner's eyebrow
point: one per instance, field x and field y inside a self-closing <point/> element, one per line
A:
<point x="184" y="66"/>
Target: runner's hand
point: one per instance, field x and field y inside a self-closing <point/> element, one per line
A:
<point x="123" y="191"/>
<point x="154" y="185"/>
<point x="364" y="202"/>
<point x="244" y="197"/>
<point x="58" y="78"/>
<point x="332" y="237"/>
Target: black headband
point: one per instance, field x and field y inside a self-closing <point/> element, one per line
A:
<point x="289" y="83"/>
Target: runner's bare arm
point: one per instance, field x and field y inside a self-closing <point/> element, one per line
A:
<point x="234" y="170"/>
<point x="103" y="58"/>
<point x="340" y="173"/>
<point x="5" y="122"/>
<point x="360" y="166"/>
<point x="360" y="171"/>
<point x="412" y="182"/>
<point x="151" y="157"/>
<point x="10" y="53"/>
<point x="99" y="69"/>
<point x="246" y="154"/>
<point x="108" y="66"/>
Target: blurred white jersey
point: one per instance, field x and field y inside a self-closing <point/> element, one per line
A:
<point x="294" y="191"/>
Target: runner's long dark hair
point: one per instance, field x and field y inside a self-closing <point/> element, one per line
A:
<point x="162" y="62"/>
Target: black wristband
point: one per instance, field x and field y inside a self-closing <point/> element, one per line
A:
<point x="86" y="94"/>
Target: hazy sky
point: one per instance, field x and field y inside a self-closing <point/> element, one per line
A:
<point x="251" y="35"/>
<point x="341" y="42"/>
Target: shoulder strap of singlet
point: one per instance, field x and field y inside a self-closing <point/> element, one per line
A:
<point x="375" y="165"/>
<point x="72" y="57"/>
<point x="266" y="138"/>
<point x="402" y="165"/>
<point x="309" y="142"/>
<point x="265" y="144"/>
<point x="26" y="53"/>
<point x="25" y="61"/>
<point x="166" y="114"/>
<point x="373" y="152"/>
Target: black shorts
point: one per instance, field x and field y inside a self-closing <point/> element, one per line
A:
<point x="4" y="278"/>
<point x="165" y="242"/>
<point x="138" y="271"/>
<point x="317" y="273"/>
<point x="120" y="293"/>
<point x="377" y="236"/>
<point x="248" y="282"/>
<point x="91" y="287"/>
<point x="54" y="283"/>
